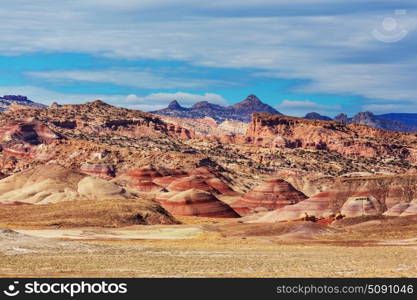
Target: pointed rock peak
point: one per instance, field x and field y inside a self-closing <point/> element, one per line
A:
<point x="253" y="99"/>
<point x="174" y="105"/>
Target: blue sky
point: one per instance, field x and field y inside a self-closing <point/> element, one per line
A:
<point x="327" y="56"/>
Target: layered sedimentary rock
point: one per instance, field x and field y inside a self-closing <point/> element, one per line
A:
<point x="309" y="183"/>
<point x="402" y="210"/>
<point x="374" y="196"/>
<point x="148" y="187"/>
<point x="361" y="205"/>
<point x="147" y="174"/>
<point x="318" y="205"/>
<point x="97" y="169"/>
<point x="203" y="180"/>
<point x="166" y="180"/>
<point x="22" y="138"/>
<point x="52" y="184"/>
<point x="190" y="182"/>
<point x="270" y="195"/>
<point x="220" y="186"/>
<point x="194" y="202"/>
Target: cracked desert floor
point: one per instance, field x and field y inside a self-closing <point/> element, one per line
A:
<point x="213" y="248"/>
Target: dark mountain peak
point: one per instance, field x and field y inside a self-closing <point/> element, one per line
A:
<point x="316" y="116"/>
<point x="343" y="118"/>
<point x="252" y="99"/>
<point x="253" y="104"/>
<point x="175" y="105"/>
<point x="204" y="105"/>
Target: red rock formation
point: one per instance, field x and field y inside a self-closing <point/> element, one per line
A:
<point x="347" y="139"/>
<point x="147" y="186"/>
<point x="99" y="170"/>
<point x="21" y="138"/>
<point x="167" y="180"/>
<point x="198" y="203"/>
<point x="190" y="182"/>
<point x="148" y="174"/>
<point x="384" y="192"/>
<point x="220" y="186"/>
<point x="270" y="195"/>
<point x="318" y="206"/>
<point x="361" y="205"/>
<point x="402" y="210"/>
<point x="202" y="171"/>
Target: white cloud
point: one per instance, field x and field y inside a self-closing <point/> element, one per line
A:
<point x="302" y="107"/>
<point x="135" y="79"/>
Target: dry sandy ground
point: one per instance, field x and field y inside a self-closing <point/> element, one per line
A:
<point x="212" y="250"/>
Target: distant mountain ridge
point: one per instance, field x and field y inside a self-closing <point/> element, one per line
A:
<point x="317" y="116"/>
<point x="406" y="118"/>
<point x="8" y="100"/>
<point x="241" y="111"/>
<point x="394" y="122"/>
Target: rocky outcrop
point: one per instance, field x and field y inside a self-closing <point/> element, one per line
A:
<point x="194" y="202"/>
<point x="97" y="169"/>
<point x="22" y="138"/>
<point x="207" y="127"/>
<point x="309" y="183"/>
<point x="361" y="205"/>
<point x="402" y="210"/>
<point x="346" y="139"/>
<point x="270" y="195"/>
